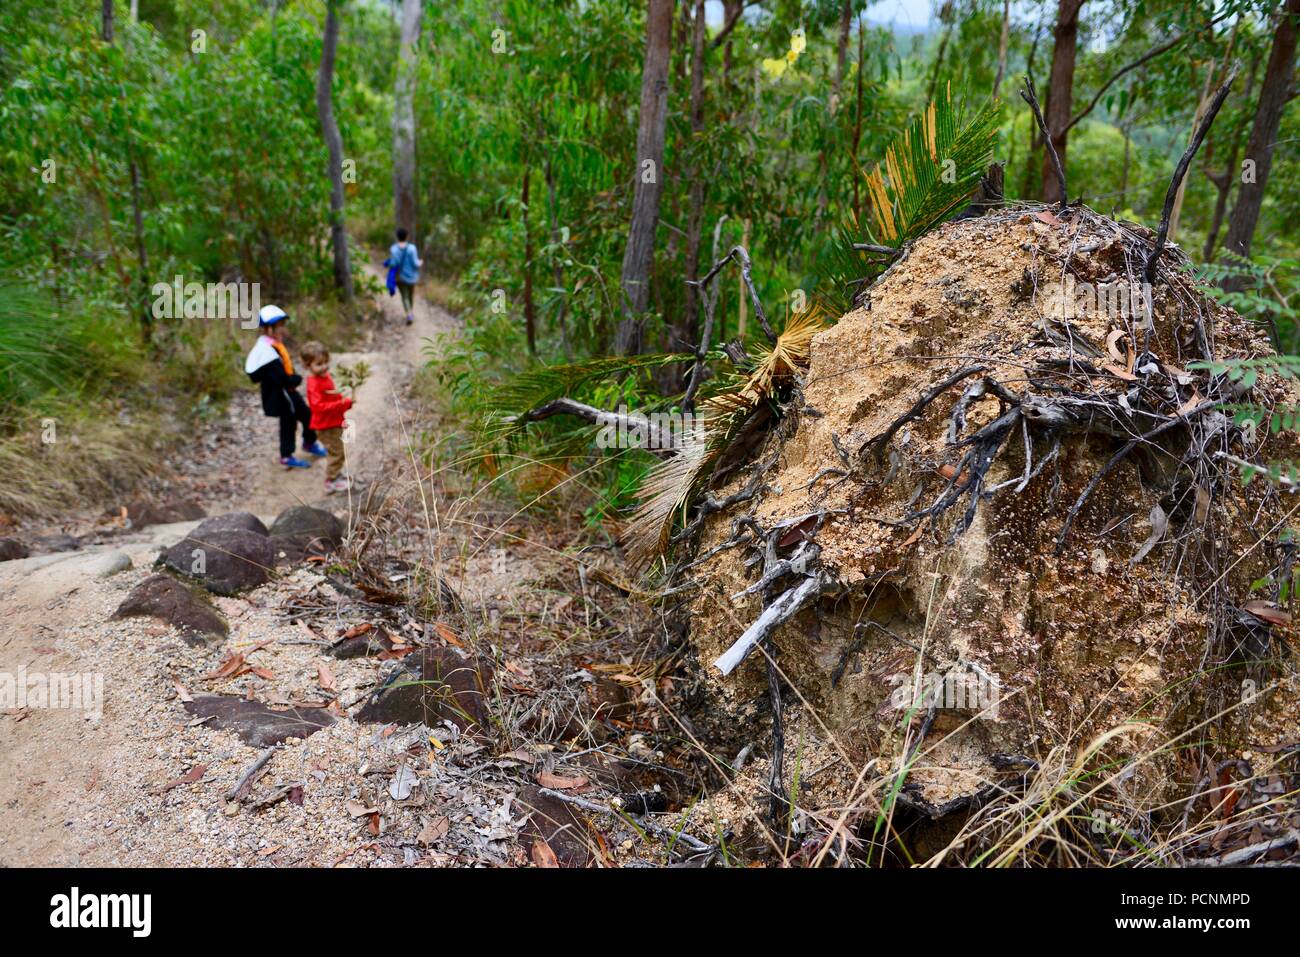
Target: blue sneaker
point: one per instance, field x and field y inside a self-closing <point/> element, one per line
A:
<point x="290" y="462"/>
<point x="316" y="449"/>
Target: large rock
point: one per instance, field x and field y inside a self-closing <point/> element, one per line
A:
<point x="432" y="685"/>
<point x="255" y="723"/>
<point x="164" y="598"/>
<point x="300" y="531"/>
<point x="11" y="549"/>
<point x="225" y="562"/>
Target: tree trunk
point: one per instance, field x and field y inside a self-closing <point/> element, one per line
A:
<point x="106" y="28"/>
<point x="557" y="272"/>
<point x="530" y="309"/>
<point x="404" y="182"/>
<point x="1060" y="92"/>
<point x="841" y="53"/>
<point x="857" y="127"/>
<point x="1273" y="94"/>
<point x="638" y="259"/>
<point x="330" y="130"/>
<point x="686" y="333"/>
<point x="1207" y="92"/>
<point x="1002" y="47"/>
<point x="1223" y="181"/>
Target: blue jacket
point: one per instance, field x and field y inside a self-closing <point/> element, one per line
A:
<point x="408" y="262"/>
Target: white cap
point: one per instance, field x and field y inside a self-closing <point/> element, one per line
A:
<point x="269" y="315"/>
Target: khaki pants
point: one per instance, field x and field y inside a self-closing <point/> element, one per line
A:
<point x="332" y="439"/>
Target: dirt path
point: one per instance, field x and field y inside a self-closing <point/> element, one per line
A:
<point x="81" y="787"/>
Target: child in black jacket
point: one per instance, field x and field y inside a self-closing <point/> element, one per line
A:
<point x="269" y="365"/>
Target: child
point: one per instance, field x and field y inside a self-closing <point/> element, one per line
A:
<point x="327" y="408"/>
<point x="269" y="365"/>
<point x="403" y="256"/>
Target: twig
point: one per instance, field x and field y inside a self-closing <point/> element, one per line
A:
<point x="1246" y="855"/>
<point x="1153" y="259"/>
<point x="776" y="779"/>
<point x="657" y="440"/>
<point x="773" y="616"/>
<point x="244" y="779"/>
<point x="1030" y="97"/>
<point x="873" y="248"/>
<point x="695" y="844"/>
<point x="917" y="408"/>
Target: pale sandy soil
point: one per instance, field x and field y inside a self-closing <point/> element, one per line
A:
<point x="80" y="788"/>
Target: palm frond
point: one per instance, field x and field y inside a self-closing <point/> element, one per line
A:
<point x="930" y="170"/>
<point x="527" y="390"/>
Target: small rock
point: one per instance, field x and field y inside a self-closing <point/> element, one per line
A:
<point x="164" y="598"/>
<point x="230" y="522"/>
<point x="11" y="549"/>
<point x="300" y="531"/>
<point x="108" y="564"/>
<point x="558" y="824"/>
<point x="255" y="723"/>
<point x="223" y="561"/>
<point x="143" y="512"/>
<point x="432" y="685"/>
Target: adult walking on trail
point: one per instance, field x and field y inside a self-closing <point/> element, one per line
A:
<point x="403" y="258"/>
<point x="268" y="364"/>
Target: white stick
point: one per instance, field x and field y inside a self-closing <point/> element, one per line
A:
<point x="774" y="615"/>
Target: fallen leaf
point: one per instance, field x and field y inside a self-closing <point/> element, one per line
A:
<point x="542" y="854"/>
<point x="1045" y="216"/>
<point x="268" y="851"/>
<point x="325" y="678"/>
<point x="1112" y="346"/>
<point x="560" y="783"/>
<point x="434" y="831"/>
<point x="182" y="692"/>
<point x="373" y="824"/>
<point x="402" y="783"/>
<point x="1119" y="372"/>
<point x="194" y="775"/>
<point x="263" y="673"/>
<point x="1266" y="612"/>
<point x="233" y="665"/>
<point x="357" y="809"/>
<point x="360" y="629"/>
<point x="446" y="634"/>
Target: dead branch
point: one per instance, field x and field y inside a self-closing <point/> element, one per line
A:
<point x="1180" y="171"/>
<point x="658" y="441"/>
<point x="741" y="256"/>
<point x="774" y="615"/>
<point x="1030" y="97"/>
<point x="882" y="440"/>
<point x="647" y="822"/>
<point x="244" y="779"/>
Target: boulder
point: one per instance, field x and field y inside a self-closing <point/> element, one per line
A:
<point x="256" y="723"/>
<point x="186" y="610"/>
<point x="225" y="562"/>
<point x="432" y="685"/>
<point x="300" y="531"/>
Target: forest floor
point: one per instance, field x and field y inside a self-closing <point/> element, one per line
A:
<point x="146" y="783"/>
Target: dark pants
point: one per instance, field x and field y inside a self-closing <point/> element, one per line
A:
<point x="289" y="425"/>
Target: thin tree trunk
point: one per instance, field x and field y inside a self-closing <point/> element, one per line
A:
<point x="841" y="53"/>
<point x="557" y="272"/>
<point x="334" y="142"/>
<point x="106" y="26"/>
<point x="1273" y="94"/>
<point x="1060" y="92"/>
<point x="638" y="259"/>
<point x="1002" y="47"/>
<point x="530" y="310"/>
<point x="857" y="128"/>
<point x="686" y="333"/>
<point x="945" y="15"/>
<point x="1126" y="129"/>
<point x="1224" y="181"/>
<point x="404" y="180"/>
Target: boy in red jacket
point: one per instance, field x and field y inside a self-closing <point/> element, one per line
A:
<point x="327" y="408"/>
